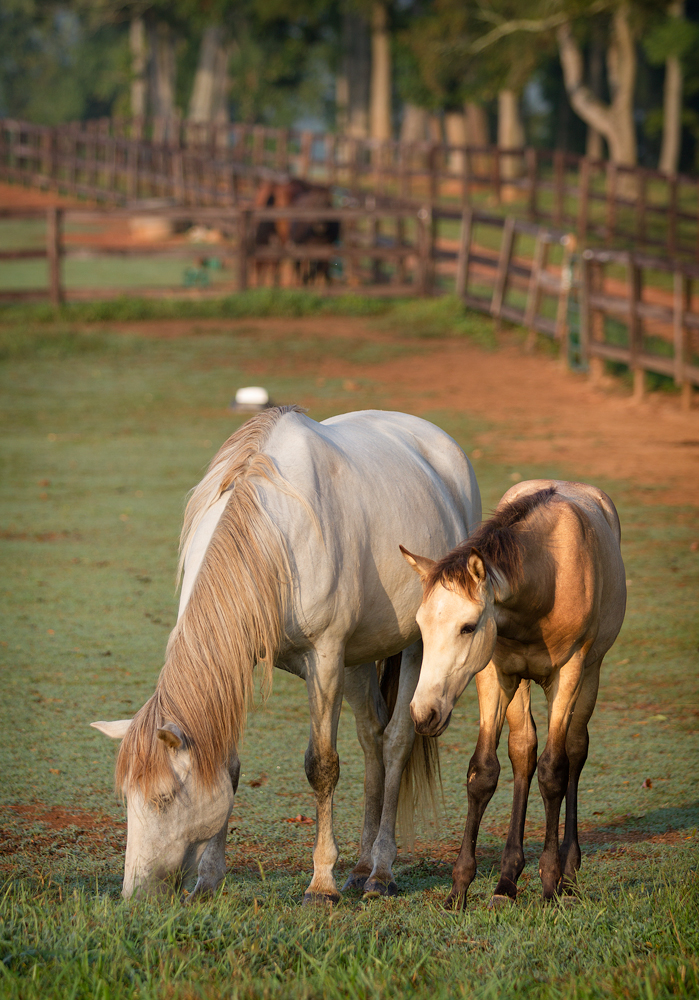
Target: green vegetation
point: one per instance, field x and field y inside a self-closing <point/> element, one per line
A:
<point x="104" y="434"/>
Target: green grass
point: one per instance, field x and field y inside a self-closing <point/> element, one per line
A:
<point x="104" y="434"/>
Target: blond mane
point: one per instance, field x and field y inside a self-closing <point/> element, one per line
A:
<point x="234" y="619"/>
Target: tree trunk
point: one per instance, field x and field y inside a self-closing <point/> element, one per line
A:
<point x="594" y="147"/>
<point x="614" y="120"/>
<point x="510" y="134"/>
<point x="353" y="83"/>
<point x="414" y="127"/>
<point x="672" y="106"/>
<point x="455" y="132"/>
<point x="208" y="88"/>
<point x="476" y="125"/>
<point x="477" y="135"/>
<point x="380" y="123"/>
<point x="162" y="71"/>
<point x="139" y="61"/>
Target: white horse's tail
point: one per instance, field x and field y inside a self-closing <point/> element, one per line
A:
<point x="422" y="776"/>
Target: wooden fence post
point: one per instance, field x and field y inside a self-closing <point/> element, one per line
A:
<point x="541" y="252"/>
<point x="54" y="250"/>
<point x="244" y="236"/>
<point x="506" y="247"/>
<point x="462" y="261"/>
<point x="682" y="301"/>
<point x="634" y="277"/>
<point x="424" y="228"/>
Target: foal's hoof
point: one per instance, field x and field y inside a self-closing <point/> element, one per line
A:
<point x="321" y="898"/>
<point x="500" y="902"/>
<point x="455" y="901"/>
<point x="373" y="888"/>
<point x="355" y="882"/>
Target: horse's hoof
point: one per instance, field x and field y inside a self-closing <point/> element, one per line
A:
<point x="500" y="902"/>
<point x="355" y="882"/>
<point x="373" y="889"/>
<point x="321" y="898"/>
<point x="455" y="901"/>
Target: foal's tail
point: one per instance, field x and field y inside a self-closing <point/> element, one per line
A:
<point x="422" y="775"/>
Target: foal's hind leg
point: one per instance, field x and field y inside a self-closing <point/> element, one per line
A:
<point x="363" y="694"/>
<point x="324" y="682"/>
<point x="577" y="743"/>
<point x="521" y="748"/>
<point x="562" y="691"/>
<point x="495" y="692"/>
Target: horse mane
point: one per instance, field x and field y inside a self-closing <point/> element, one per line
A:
<point x="498" y="541"/>
<point x="234" y="619"/>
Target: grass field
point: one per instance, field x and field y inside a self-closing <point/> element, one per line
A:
<point x="104" y="435"/>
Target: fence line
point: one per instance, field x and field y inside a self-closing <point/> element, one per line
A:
<point x="124" y="160"/>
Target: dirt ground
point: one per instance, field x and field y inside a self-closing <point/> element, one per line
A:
<point x="539" y="412"/>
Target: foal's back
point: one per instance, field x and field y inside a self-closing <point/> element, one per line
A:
<point x="576" y="537"/>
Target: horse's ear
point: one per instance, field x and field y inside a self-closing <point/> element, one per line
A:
<point x="421" y="564"/>
<point x="476" y="567"/>
<point x="172" y="736"/>
<point x="115" y="730"/>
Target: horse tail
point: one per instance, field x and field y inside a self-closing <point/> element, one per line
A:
<point x="422" y="775"/>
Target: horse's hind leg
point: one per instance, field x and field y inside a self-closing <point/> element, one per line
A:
<point x="398" y="741"/>
<point x="562" y="691"/>
<point x="495" y="692"/>
<point x="324" y="682"/>
<point x="521" y="748"/>
<point x="363" y="694"/>
<point x="577" y="743"/>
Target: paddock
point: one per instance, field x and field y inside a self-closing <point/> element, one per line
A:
<point x="108" y="423"/>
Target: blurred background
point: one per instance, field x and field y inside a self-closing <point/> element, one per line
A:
<point x="605" y="78"/>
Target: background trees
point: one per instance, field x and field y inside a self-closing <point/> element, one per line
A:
<point x="615" y="77"/>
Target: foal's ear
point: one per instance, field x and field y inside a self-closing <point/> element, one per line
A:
<point x="476" y="567"/>
<point x="115" y="730"/>
<point x="172" y="736"/>
<point x="421" y="564"/>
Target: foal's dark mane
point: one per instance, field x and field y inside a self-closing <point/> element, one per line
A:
<point x="498" y="541"/>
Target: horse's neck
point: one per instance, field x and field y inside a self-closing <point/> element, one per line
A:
<point x="532" y="597"/>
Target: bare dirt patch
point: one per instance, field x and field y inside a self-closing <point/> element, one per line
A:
<point x="540" y="413"/>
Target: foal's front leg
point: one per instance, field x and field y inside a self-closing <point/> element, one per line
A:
<point x="324" y="682"/>
<point x="495" y="692"/>
<point x="521" y="748"/>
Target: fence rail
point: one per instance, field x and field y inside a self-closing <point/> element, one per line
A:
<point x="120" y="160"/>
<point x="500" y="266"/>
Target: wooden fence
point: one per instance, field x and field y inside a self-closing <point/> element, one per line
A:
<point x="121" y="160"/>
<point x="634" y="309"/>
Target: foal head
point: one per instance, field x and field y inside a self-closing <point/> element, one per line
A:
<point x="457" y="622"/>
<point x="461" y="596"/>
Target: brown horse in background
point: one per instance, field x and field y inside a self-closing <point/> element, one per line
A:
<point x="300" y="194"/>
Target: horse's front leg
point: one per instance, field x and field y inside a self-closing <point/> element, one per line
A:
<point x="562" y="691"/>
<point x="521" y="748"/>
<point x="324" y="682"/>
<point x="363" y="694"/>
<point x="495" y="692"/>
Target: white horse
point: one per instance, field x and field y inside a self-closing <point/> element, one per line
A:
<point x="290" y="558"/>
